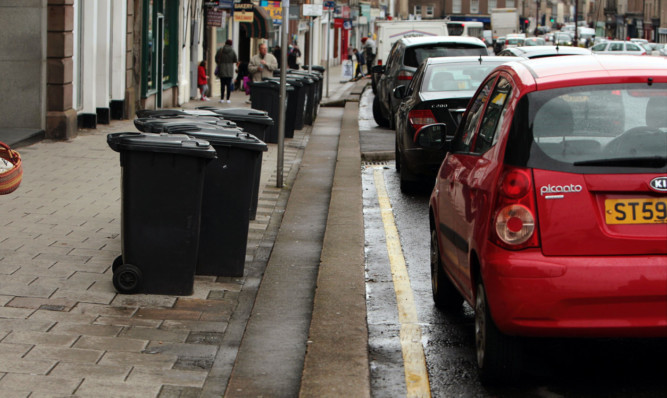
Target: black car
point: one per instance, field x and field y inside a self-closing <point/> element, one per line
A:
<point x="438" y="93"/>
<point x="404" y="58"/>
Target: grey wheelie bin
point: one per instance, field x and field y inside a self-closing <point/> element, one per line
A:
<point x="229" y="185"/>
<point x="265" y="96"/>
<point x="253" y="121"/>
<point x="162" y="187"/>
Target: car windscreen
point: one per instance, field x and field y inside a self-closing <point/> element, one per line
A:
<point x="456" y="76"/>
<point x="592" y="129"/>
<point x="416" y="55"/>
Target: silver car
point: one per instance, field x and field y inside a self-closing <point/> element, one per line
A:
<point x="618" y="47"/>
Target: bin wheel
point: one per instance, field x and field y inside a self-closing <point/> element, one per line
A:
<point x="127" y="278"/>
<point x="117" y="262"/>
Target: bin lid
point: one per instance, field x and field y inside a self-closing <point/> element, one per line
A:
<point x="164" y="143"/>
<point x="303" y="78"/>
<point x="315" y="76"/>
<point x="151" y="125"/>
<point x="271" y="85"/>
<point x="242" y="115"/>
<point x="230" y="138"/>
<point x="159" y="113"/>
<point x="318" y="68"/>
<point x="297" y="83"/>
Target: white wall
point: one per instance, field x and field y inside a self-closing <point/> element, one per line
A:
<point x="102" y="66"/>
<point x="118" y="49"/>
<point x="89" y="50"/>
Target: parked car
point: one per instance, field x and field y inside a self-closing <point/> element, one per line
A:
<point x="404" y="58"/>
<point x="618" y="47"/>
<point x="543" y="51"/>
<point x="438" y="93"/>
<point x="547" y="223"/>
<point x="514" y="40"/>
<point x="499" y="44"/>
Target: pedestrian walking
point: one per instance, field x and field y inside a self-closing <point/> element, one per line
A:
<point x="202" y="80"/>
<point x="277" y="53"/>
<point x="360" y="61"/>
<point x="226" y="60"/>
<point x="369" y="49"/>
<point x="262" y="65"/>
<point x="293" y="57"/>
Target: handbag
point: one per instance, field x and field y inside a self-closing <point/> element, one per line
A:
<point x="10" y="179"/>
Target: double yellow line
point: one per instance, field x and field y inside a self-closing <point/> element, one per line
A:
<point x="414" y="362"/>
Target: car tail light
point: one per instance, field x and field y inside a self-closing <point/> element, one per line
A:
<point x="421" y="117"/>
<point x="379" y="62"/>
<point x="404" y="75"/>
<point x="515" y="221"/>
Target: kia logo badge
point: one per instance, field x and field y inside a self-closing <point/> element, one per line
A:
<point x="659" y="184"/>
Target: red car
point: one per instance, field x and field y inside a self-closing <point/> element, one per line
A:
<point x="549" y="212"/>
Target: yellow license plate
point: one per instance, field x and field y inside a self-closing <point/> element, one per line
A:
<point x="636" y="211"/>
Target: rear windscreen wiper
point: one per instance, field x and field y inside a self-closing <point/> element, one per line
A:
<point x="647" y="161"/>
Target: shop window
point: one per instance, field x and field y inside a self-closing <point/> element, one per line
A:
<point x="160" y="46"/>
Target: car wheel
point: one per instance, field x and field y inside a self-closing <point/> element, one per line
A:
<point x="445" y="295"/>
<point x="498" y="355"/>
<point x="380" y="119"/>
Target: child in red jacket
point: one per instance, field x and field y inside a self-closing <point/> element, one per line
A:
<point x="202" y="80"/>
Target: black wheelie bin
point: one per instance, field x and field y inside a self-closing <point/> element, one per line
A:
<point x="158" y="125"/>
<point x="230" y="182"/>
<point x="162" y="187"/>
<point x="265" y="96"/>
<point x="253" y="121"/>
<point x="295" y="104"/>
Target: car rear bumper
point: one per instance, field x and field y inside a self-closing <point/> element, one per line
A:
<point x="533" y="295"/>
<point x="422" y="162"/>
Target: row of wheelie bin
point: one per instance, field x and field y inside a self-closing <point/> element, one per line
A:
<point x="304" y="93"/>
<point x="189" y="184"/>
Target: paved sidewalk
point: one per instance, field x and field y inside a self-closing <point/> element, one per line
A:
<point x="63" y="328"/>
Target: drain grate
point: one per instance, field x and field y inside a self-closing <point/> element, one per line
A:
<point x="374" y="163"/>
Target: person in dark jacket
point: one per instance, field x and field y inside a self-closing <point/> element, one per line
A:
<point x="277" y="52"/>
<point x="360" y="61"/>
<point x="292" y="56"/>
<point x="226" y="60"/>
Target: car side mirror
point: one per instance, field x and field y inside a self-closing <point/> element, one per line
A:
<point x="433" y="136"/>
<point x="378" y="69"/>
<point x="399" y="92"/>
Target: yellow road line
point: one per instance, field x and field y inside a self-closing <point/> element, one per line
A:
<point x="414" y="362"/>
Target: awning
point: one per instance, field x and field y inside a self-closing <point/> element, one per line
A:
<point x="261" y="26"/>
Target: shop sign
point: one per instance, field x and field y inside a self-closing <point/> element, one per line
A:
<point x="275" y="10"/>
<point x="213" y="17"/>
<point x="345" y="12"/>
<point x="312" y="10"/>
<point x="243" y="12"/>
<point x="338" y="23"/>
<point x="347" y="25"/>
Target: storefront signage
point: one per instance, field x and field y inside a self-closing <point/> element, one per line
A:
<point x="312" y="10"/>
<point x="213" y="17"/>
<point x="338" y="23"/>
<point x="243" y="12"/>
<point x="275" y="10"/>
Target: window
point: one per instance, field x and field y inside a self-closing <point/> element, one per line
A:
<point x="430" y="11"/>
<point x="464" y="135"/>
<point x="509" y="4"/>
<point x="631" y="47"/>
<point x="474" y="6"/>
<point x="456" y="6"/>
<point x="492" y="4"/>
<point x="160" y="46"/>
<point x="616" y="47"/>
<point x="493" y="117"/>
<point x="418" y="10"/>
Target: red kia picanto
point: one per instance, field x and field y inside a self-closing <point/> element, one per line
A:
<point x="549" y="212"/>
